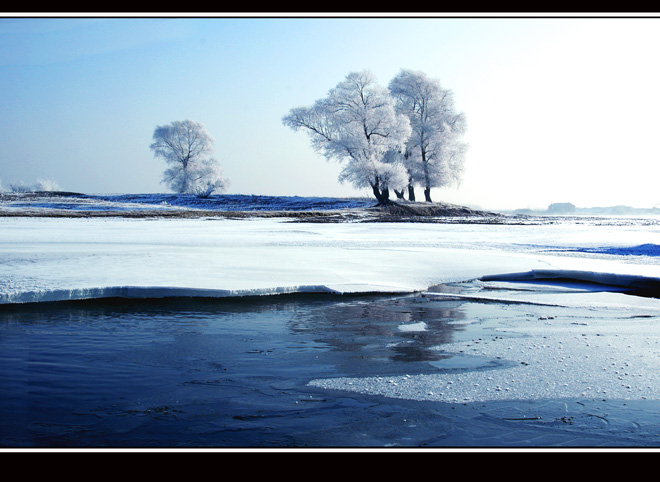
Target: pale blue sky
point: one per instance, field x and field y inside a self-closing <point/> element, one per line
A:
<point x="558" y="110"/>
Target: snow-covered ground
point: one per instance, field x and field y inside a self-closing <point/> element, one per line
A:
<point x="51" y="259"/>
<point x="570" y="341"/>
<point x="45" y="202"/>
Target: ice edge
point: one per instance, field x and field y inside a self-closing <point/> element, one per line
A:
<point x="159" y="292"/>
<point x="630" y="282"/>
<point x="635" y="284"/>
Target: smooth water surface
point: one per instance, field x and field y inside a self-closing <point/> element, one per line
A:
<point x="186" y="372"/>
<point x="243" y="373"/>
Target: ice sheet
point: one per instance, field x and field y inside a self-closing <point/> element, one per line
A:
<point x="570" y="340"/>
<point x="552" y="343"/>
<point x="45" y="259"/>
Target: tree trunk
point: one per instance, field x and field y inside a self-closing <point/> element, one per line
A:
<point x="377" y="193"/>
<point x="427" y="194"/>
<point x="382" y="195"/>
<point x="411" y="192"/>
<point x="399" y="194"/>
<point x="425" y="165"/>
<point x="385" y="194"/>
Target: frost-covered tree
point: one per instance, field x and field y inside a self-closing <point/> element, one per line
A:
<point x="186" y="147"/>
<point x="20" y="186"/>
<point x="46" y="185"/>
<point x="357" y="125"/>
<point x="434" y="153"/>
<point x="403" y="157"/>
<point x="42" y="185"/>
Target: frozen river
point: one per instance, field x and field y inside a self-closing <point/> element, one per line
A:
<point x="383" y="334"/>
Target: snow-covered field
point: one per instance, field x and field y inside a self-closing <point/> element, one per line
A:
<point x="47" y="259"/>
<point x="575" y="336"/>
<point x="48" y="202"/>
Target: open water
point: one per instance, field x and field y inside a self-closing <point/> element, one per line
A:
<point x="235" y="373"/>
<point x="208" y="373"/>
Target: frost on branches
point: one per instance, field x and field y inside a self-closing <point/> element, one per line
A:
<point x="392" y="138"/>
<point x="357" y="124"/>
<point x="434" y="155"/>
<point x="42" y="185"/>
<point x="186" y="147"/>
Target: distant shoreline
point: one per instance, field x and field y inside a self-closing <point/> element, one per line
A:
<point x="291" y="208"/>
<point x="45" y="204"/>
<point x="375" y="214"/>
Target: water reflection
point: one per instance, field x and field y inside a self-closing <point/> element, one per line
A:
<point x="394" y="328"/>
<point x="144" y="373"/>
<point x="401" y="329"/>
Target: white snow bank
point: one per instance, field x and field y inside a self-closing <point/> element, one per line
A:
<point x="48" y="259"/>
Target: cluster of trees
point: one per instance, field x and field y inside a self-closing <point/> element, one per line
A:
<point x="406" y="135"/>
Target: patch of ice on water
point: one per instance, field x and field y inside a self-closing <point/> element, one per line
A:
<point x="410" y="327"/>
<point x="573" y="355"/>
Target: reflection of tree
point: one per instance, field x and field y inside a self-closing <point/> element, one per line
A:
<point x="365" y="328"/>
<point x="370" y="328"/>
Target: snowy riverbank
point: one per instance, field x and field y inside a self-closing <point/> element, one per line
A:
<point x="544" y="309"/>
<point x="48" y="259"/>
